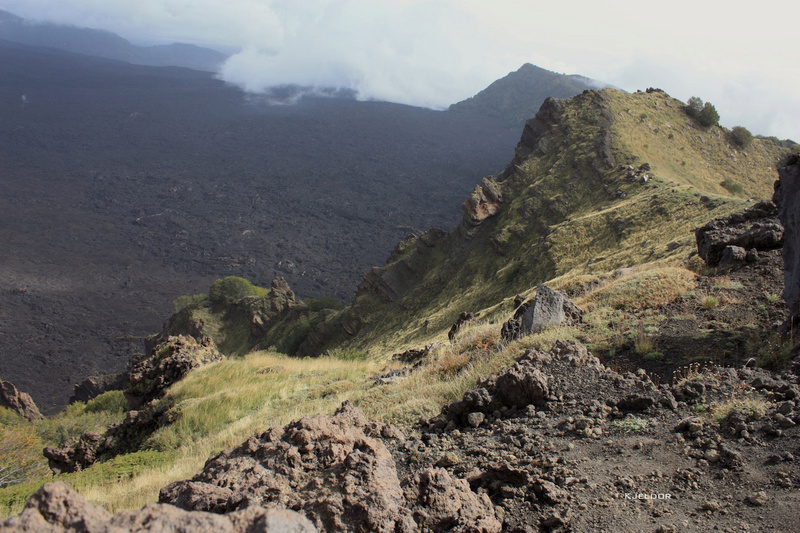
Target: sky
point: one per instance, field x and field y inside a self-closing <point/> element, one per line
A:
<point x="433" y="53"/>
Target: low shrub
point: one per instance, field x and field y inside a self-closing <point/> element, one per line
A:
<point x="227" y="291"/>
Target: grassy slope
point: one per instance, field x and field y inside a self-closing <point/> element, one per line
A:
<point x="564" y="215"/>
<point x="563" y="220"/>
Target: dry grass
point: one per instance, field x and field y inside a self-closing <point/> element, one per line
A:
<point x="751" y="406"/>
<point x="649" y="288"/>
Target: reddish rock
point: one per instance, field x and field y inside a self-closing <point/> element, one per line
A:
<point x="19" y="402"/>
<point x="337" y="471"/>
<point x="55" y="508"/>
<point x="443" y="503"/>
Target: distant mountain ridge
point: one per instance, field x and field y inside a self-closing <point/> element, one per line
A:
<point x="101" y="43"/>
<point x="516" y="97"/>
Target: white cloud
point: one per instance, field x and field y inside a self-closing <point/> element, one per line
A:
<point x="435" y="52"/>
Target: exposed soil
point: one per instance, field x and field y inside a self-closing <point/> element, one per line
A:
<point x="600" y="456"/>
<point x="741" y="326"/>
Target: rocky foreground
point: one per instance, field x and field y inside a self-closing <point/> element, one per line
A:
<point x="557" y="442"/>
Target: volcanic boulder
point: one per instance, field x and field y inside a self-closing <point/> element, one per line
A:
<point x="56" y="508"/>
<point x="525" y="383"/>
<point x="549" y="308"/>
<point x="19" y="402"/>
<point x="338" y="472"/>
<point x="756" y="228"/>
<point x="787" y="196"/>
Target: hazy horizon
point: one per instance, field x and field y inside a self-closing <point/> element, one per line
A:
<point x="432" y="53"/>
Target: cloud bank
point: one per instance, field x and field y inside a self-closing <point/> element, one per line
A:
<point x="435" y="52"/>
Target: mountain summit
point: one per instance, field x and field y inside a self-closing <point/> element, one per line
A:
<point x="516" y="97"/>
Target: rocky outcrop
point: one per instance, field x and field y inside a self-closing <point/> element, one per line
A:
<point x="260" y="311"/>
<point x="549" y="308"/>
<point x="484" y="202"/>
<point x="148" y="380"/>
<point x="757" y="228"/>
<point x="94" y="386"/>
<point x="462" y="319"/>
<point x="338" y="472"/>
<point x="787" y="196"/>
<point x="535" y="134"/>
<point x="169" y="362"/>
<point x="79" y="453"/>
<point x="57" y="508"/>
<point x="19" y="402"/>
<point x="525" y="383"/>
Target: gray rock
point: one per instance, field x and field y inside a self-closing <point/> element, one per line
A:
<point x="756" y="228"/>
<point x="475" y="419"/>
<point x="547" y="310"/>
<point x="732" y="256"/>
<point x="757" y="498"/>
<point x="787" y="196"/>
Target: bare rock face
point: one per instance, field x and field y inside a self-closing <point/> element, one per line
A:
<point x="549" y="308"/>
<point x="94" y="386"/>
<point x="787" y="196"/>
<point x="57" y="508"/>
<point x="337" y="471"/>
<point x="19" y="402"/>
<point x="484" y="202"/>
<point x="169" y="362"/>
<point x="756" y="228"/>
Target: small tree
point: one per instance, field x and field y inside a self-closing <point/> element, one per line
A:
<point x="741" y="136"/>
<point x="708" y="116"/>
<point x="704" y="113"/>
<point x="693" y="107"/>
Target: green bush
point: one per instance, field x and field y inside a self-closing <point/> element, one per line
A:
<point x="732" y="186"/>
<point x="741" y="136"/>
<point x="111" y="402"/>
<point x="319" y="304"/>
<point x="227" y="291"/>
<point x="693" y="107"/>
<point x="708" y="116"/>
<point x="182" y="302"/>
<point x="704" y="113"/>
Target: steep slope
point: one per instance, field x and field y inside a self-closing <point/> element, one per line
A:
<point x="602" y="181"/>
<point x="126" y="186"/>
<point x="554" y="434"/>
<point x="516" y="97"/>
<point x="106" y="44"/>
